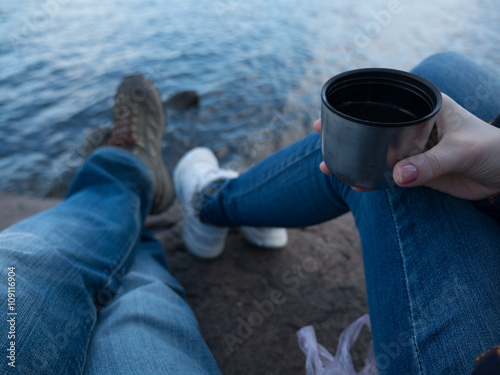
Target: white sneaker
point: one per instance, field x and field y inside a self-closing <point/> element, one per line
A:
<point x="196" y="170"/>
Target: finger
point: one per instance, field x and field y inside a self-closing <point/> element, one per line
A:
<point x="422" y="169"/>
<point x="324" y="169"/>
<point x="317" y="125"/>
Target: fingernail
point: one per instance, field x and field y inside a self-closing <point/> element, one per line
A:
<point x="408" y="173"/>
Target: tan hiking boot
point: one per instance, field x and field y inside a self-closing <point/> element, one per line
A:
<point x="138" y="125"/>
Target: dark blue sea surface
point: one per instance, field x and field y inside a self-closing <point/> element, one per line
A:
<point x="258" y="67"/>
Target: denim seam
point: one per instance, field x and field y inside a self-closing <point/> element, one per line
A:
<point x="138" y="191"/>
<point x="90" y="335"/>
<point x="118" y="264"/>
<point x="121" y="261"/>
<point x="113" y="270"/>
<point x="400" y="248"/>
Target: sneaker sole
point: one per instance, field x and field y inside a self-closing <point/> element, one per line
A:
<point x="269" y="238"/>
<point x="191" y="232"/>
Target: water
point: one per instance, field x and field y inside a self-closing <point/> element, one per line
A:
<point x="258" y="67"/>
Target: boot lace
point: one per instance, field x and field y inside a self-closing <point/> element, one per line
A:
<point x="124" y="131"/>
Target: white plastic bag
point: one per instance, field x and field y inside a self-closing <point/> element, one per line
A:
<point x="320" y="362"/>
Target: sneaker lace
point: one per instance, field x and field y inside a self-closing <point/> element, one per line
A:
<point x="210" y="176"/>
<point x="209" y="183"/>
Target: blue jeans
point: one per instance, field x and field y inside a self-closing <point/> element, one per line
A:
<point x="432" y="261"/>
<point x="92" y="290"/>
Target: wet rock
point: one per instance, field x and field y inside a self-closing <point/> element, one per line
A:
<point x="58" y="190"/>
<point x="222" y="152"/>
<point x="182" y="100"/>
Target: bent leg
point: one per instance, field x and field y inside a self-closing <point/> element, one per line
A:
<point x="287" y="189"/>
<point x="148" y="328"/>
<point x="431" y="265"/>
<point x="69" y="259"/>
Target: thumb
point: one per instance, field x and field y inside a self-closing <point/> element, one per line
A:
<point x="422" y="169"/>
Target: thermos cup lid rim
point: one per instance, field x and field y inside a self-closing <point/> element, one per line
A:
<point x="398" y="78"/>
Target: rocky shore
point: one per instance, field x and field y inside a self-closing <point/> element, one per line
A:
<point x="250" y="302"/>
